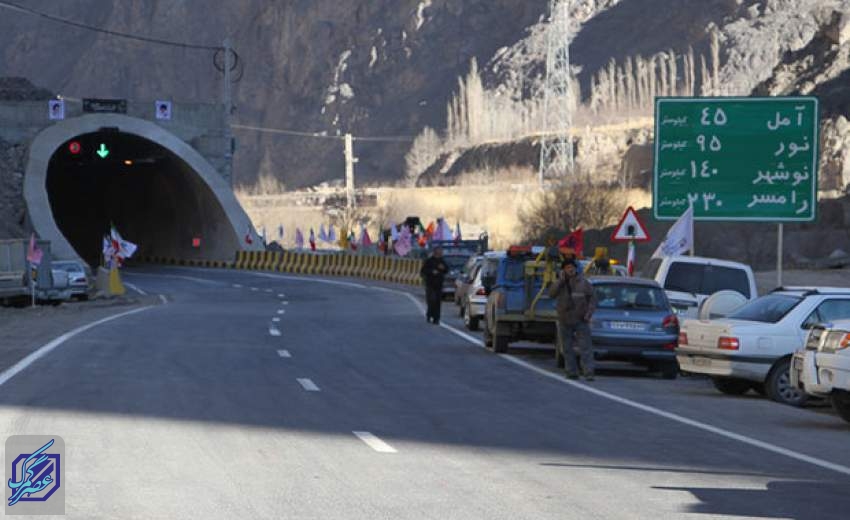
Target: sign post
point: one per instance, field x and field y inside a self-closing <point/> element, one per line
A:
<point x="737" y="159"/>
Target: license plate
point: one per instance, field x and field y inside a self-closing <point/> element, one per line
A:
<point x="702" y="362"/>
<point x="626" y="325"/>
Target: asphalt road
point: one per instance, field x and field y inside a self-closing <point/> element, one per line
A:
<point x="246" y="395"/>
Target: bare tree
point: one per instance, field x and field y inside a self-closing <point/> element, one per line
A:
<point x="569" y="206"/>
<point x="425" y="150"/>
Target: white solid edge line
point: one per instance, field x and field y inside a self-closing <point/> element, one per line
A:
<point x="274" y="331"/>
<point x="237" y="286"/>
<point x="268" y="290"/>
<point x="308" y="385"/>
<point x="284" y="354"/>
<point x="42" y="351"/>
<point x="281" y="295"/>
<point x="374" y="442"/>
<point x="275" y="320"/>
<point x="254" y="289"/>
<point x="131" y="286"/>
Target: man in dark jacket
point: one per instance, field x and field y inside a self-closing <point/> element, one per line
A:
<point x="433" y="271"/>
<point x="575" y="304"/>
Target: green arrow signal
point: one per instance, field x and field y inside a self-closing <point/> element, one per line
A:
<point x="103" y="152"/>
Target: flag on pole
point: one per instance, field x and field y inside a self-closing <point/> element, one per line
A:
<point x="352" y="240"/>
<point x="343" y="240"/>
<point x="458" y="235"/>
<point x="332" y="234"/>
<point x="118" y="248"/>
<point x="323" y="235"/>
<point x="393" y="232"/>
<point x="630" y="262"/>
<point x="574" y="241"/>
<point x="280" y="232"/>
<point x="430" y="230"/>
<point x="365" y="239"/>
<point x="402" y="245"/>
<point x="312" y="240"/>
<point x="443" y="231"/>
<point x="299" y="238"/>
<point x="248" y="239"/>
<point x="34" y="253"/>
<point x="679" y="238"/>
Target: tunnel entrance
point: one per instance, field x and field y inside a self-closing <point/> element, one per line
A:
<point x="152" y="196"/>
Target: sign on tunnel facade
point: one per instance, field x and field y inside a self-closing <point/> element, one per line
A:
<point x="740" y="159"/>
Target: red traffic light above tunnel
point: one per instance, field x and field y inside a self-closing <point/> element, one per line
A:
<point x="74" y="147"/>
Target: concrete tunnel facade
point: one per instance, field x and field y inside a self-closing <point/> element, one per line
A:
<point x="157" y="190"/>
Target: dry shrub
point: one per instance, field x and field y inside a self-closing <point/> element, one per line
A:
<point x="568" y="206"/>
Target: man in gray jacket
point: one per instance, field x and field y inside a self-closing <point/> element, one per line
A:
<point x="575" y="304"/>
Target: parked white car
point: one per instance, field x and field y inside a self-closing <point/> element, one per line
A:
<point x="752" y="347"/>
<point x="823" y="368"/>
<point x="690" y="280"/>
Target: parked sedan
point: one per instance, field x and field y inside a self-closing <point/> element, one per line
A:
<point x="474" y="299"/>
<point x="753" y="346"/>
<point x="464" y="278"/>
<point x="78" y="277"/>
<point x="634" y="322"/>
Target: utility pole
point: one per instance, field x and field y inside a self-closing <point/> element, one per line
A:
<point x="556" y="148"/>
<point x="349" y="171"/>
<point x="227" y="95"/>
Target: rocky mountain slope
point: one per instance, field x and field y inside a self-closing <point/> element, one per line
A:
<point x="388" y="68"/>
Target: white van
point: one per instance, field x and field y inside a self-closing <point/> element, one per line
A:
<point x="690" y="280"/>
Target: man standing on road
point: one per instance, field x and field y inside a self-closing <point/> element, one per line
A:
<point x="433" y="272"/>
<point x="575" y="304"/>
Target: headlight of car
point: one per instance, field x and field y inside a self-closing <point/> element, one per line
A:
<point x="837" y="340"/>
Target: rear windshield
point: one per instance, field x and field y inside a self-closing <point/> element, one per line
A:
<point x="456" y="262"/>
<point x="767" y="309"/>
<point x="706" y="279"/>
<point x="69" y="267"/>
<point x="627" y="296"/>
<point x="514" y="270"/>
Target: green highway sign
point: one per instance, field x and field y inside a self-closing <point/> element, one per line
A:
<point x="102" y="152"/>
<point x="744" y="159"/>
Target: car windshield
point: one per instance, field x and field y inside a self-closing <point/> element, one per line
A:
<point x="767" y="309"/>
<point x="628" y="296"/>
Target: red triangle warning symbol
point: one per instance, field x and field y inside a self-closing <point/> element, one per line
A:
<point x="630" y="228"/>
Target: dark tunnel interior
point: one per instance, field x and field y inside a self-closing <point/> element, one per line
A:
<point x="153" y="198"/>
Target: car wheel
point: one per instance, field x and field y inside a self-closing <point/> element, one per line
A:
<point x="488" y="338"/>
<point x="841" y="404"/>
<point x="778" y="385"/>
<point x="669" y="370"/>
<point x="500" y="343"/>
<point x="470" y="322"/>
<point x="731" y="386"/>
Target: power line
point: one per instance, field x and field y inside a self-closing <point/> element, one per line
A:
<point x="319" y="135"/>
<point x="79" y="25"/>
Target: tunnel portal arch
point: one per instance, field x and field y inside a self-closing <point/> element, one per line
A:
<point x="187" y="197"/>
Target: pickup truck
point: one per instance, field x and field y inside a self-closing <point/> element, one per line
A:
<point x="690" y="280"/>
<point x="518" y="305"/>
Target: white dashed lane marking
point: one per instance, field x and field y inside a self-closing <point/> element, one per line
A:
<point x="308" y="385"/>
<point x="274" y="331"/>
<point x="284" y="354"/>
<point x="374" y="442"/>
<point x="281" y="311"/>
<point x="275" y="320"/>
